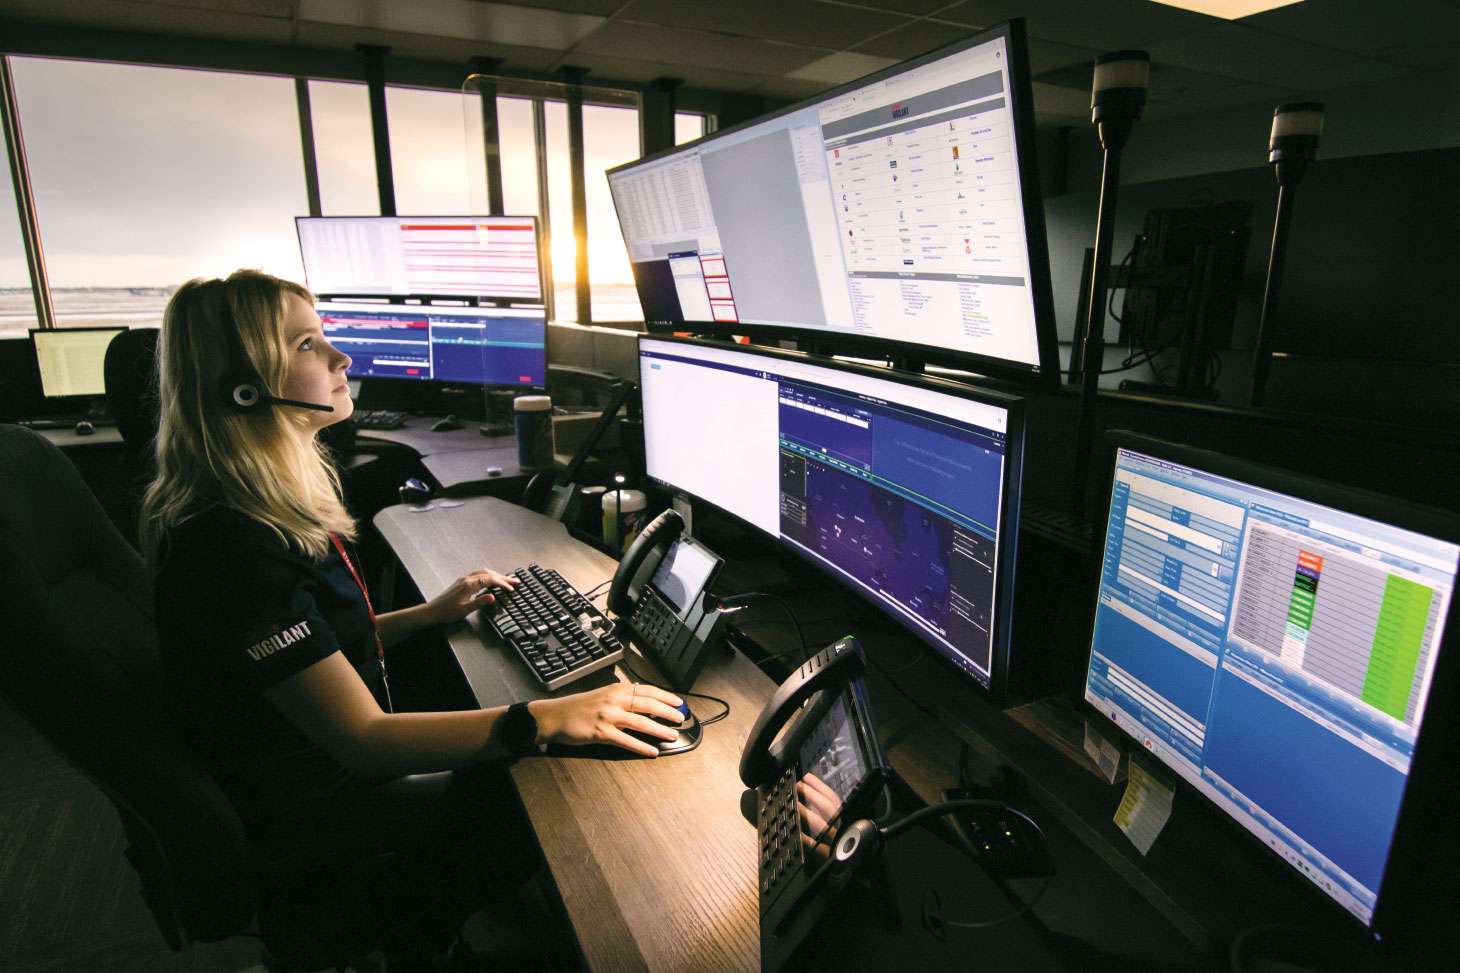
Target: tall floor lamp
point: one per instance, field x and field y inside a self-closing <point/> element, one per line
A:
<point x="1296" y="128"/>
<point x="1116" y="99"/>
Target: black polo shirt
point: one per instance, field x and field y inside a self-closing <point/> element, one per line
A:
<point x="237" y="612"/>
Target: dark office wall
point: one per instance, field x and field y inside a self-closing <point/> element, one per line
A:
<point x="1369" y="292"/>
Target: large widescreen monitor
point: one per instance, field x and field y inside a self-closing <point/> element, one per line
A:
<point x="899" y="211"/>
<point x="71" y="360"/>
<point x="1274" y="641"/>
<point x="480" y="257"/>
<point x="904" y="488"/>
<point x="502" y="346"/>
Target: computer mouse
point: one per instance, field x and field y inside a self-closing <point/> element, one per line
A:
<point x="688" y="738"/>
<point x="446" y="425"/>
<point x="84" y="428"/>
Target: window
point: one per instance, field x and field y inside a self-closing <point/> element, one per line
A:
<point x="688" y="127"/>
<point x="559" y="219"/>
<point x="436" y="152"/>
<point x="145" y="177"/>
<point x="344" y="149"/>
<point x="17" y="301"/>
<point x="519" y="156"/>
<point x="610" y="138"/>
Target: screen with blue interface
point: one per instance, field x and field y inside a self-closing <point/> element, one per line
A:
<point x="477" y="346"/>
<point x="891" y="209"/>
<point x="895" y="488"/>
<point x="1276" y="653"/>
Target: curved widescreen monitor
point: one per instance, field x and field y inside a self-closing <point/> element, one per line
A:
<point x="490" y="346"/>
<point x="1274" y="640"/>
<point x="900" y="211"/>
<point x="482" y="257"/>
<point x="904" y="488"/>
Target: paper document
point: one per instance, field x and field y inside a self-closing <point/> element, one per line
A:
<point x="1144" y="809"/>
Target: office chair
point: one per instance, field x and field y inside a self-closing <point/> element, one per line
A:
<point x="130" y="373"/>
<point x="80" y="663"/>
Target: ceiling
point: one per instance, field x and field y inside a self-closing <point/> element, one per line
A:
<point x="789" y="49"/>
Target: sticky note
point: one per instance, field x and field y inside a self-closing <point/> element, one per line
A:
<point x="1105" y="754"/>
<point x="1144" y="809"/>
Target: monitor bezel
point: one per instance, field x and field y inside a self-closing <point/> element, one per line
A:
<point x="1046" y="372"/>
<point x="542" y="282"/>
<point x="1430" y="753"/>
<point x="1004" y="586"/>
<point x="86" y="397"/>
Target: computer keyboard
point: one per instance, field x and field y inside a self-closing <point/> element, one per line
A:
<point x="64" y="422"/>
<point x="557" y="632"/>
<point x="378" y="419"/>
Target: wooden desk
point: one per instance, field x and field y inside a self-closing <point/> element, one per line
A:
<point x="654" y="863"/>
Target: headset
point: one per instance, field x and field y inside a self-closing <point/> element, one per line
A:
<point x="239" y="386"/>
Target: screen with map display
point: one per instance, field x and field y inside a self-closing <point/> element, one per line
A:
<point x="897" y="486"/>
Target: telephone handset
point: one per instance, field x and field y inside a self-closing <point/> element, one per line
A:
<point x="833" y="668"/>
<point x="660" y="593"/>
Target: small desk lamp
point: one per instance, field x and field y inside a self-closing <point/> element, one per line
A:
<point x="1296" y="128"/>
<point x="1116" y="99"/>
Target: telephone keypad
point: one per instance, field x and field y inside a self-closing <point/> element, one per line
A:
<point x="655" y="621"/>
<point x="779" y="830"/>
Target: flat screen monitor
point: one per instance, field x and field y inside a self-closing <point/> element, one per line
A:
<point x="899" y="210"/>
<point x="1273" y="640"/>
<point x="904" y="488"/>
<point x="503" y="346"/>
<point x="490" y="257"/>
<point x="71" y="361"/>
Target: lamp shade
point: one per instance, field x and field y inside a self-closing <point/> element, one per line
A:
<point x="1296" y="128"/>
<point x="1119" y="88"/>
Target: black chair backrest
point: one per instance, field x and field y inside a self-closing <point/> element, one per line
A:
<point x="130" y="373"/>
<point x="80" y="661"/>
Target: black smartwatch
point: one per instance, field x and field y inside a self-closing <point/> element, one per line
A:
<point x="519" y="731"/>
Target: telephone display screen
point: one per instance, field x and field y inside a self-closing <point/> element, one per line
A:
<point x="832" y="754"/>
<point x="682" y="575"/>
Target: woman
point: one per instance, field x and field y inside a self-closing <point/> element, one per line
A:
<point x="271" y="650"/>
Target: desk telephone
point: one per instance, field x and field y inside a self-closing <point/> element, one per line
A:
<point x="660" y="594"/>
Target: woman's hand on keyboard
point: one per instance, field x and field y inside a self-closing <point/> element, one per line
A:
<point x="602" y="716"/>
<point x="465" y="595"/>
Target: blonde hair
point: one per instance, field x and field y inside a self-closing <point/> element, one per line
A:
<point x="207" y="452"/>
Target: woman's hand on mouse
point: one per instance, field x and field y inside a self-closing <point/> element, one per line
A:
<point x="602" y="716"/>
<point x="465" y="595"/>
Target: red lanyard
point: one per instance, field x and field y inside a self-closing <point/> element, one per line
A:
<point x="379" y="646"/>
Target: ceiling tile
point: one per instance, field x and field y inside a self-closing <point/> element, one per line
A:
<point x="841" y="67"/>
<point x="1364" y="26"/>
<point x="1108" y="25"/>
<point x="1424" y="55"/>
<point x="337" y="37"/>
<point x="796" y="89"/>
<point x="1059" y="100"/>
<point x="696" y="47"/>
<point x="261" y="8"/>
<point x="131" y="15"/>
<point x="1241" y="52"/>
<point x="1246" y="93"/>
<point x="1156" y="111"/>
<point x="465" y="19"/>
<point x="610" y="68"/>
<point x="599" y="8"/>
<point x="794" y="21"/>
<point x="918" y="37"/>
<point x="1047" y="55"/>
<point x="1357" y="72"/>
<point x="916" y="7"/>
